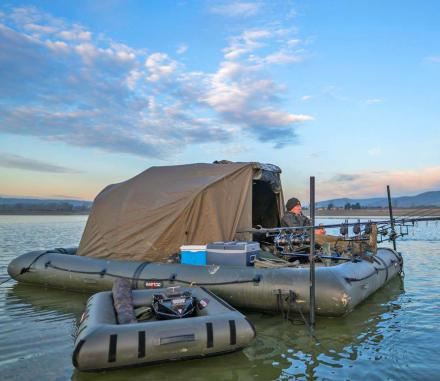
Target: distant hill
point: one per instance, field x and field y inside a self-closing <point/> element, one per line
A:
<point x="36" y="205"/>
<point x="10" y="200"/>
<point x="427" y="199"/>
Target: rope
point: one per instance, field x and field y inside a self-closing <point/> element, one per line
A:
<point x="7" y="280"/>
<point x="102" y="273"/>
<point x="291" y="299"/>
<point x="309" y="328"/>
<point x="26" y="269"/>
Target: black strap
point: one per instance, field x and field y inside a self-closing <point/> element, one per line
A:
<point x="112" y="348"/>
<point x="385" y="266"/>
<point x="141" y="344"/>
<point x="75" y="353"/>
<point x="136" y="274"/>
<point x="232" y="333"/>
<point x="209" y="336"/>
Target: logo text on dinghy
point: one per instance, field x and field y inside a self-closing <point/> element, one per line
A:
<point x="153" y="284"/>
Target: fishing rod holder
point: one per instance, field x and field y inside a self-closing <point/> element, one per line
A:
<point x="343" y="230"/>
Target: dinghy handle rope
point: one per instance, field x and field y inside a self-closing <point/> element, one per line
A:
<point x="26" y="269"/>
<point x="400" y="261"/>
<point x="137" y="272"/>
<point x="376" y="271"/>
<point x="5" y="281"/>
<point x="291" y="299"/>
<point x="104" y="272"/>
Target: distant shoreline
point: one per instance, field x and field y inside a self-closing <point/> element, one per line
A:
<point x="320" y="212"/>
<point x="43" y="213"/>
<point x="397" y="212"/>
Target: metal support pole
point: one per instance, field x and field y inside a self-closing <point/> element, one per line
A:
<point x="312" y="253"/>
<point x="390" y="208"/>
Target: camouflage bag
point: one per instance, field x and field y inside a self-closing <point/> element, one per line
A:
<point x="123" y="301"/>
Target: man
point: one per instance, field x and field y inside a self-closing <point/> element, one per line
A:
<point x="294" y="216"/>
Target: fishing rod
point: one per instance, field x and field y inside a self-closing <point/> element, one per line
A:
<point x="397" y="221"/>
<point x="319" y="256"/>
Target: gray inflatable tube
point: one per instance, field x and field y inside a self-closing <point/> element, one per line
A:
<point x="102" y="343"/>
<point x="339" y="288"/>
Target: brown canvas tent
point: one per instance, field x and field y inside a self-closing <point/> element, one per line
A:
<point x="149" y="216"/>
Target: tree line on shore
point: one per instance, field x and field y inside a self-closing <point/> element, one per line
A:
<point x="358" y="206"/>
<point x="44" y="207"/>
<point x="347" y="206"/>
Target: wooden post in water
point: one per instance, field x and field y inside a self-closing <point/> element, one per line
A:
<point x="390" y="208"/>
<point x="312" y="253"/>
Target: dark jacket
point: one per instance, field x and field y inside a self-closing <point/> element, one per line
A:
<point x="289" y="219"/>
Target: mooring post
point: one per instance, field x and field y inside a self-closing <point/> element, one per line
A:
<point x="312" y="253"/>
<point x="390" y="208"/>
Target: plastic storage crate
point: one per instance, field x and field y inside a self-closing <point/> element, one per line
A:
<point x="235" y="253"/>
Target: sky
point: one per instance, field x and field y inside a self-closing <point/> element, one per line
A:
<point x="94" y="92"/>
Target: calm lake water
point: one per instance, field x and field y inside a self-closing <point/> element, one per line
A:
<point x="394" y="334"/>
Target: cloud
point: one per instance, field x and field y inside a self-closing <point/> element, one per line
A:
<point x="159" y="66"/>
<point x="236" y="9"/>
<point x="39" y="28"/>
<point x="375" y="151"/>
<point x="20" y="162"/>
<point x="306" y="98"/>
<point x="275" y="42"/>
<point x="67" y="84"/>
<point x="242" y="92"/>
<point x="282" y="57"/>
<point x="373" y="101"/>
<point x="57" y="46"/>
<point x="433" y="59"/>
<point x="247" y="42"/>
<point x="294" y="42"/>
<point x="75" y="34"/>
<point x="181" y="49"/>
<point x="132" y="78"/>
<point x="343" y="177"/>
<point x="67" y="197"/>
<point x="241" y="96"/>
<point x="373" y="183"/>
<point x="269" y="116"/>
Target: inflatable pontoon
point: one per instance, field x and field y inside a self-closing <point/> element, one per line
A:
<point x="339" y="288"/>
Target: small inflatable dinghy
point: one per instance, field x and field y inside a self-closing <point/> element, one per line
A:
<point x="212" y="328"/>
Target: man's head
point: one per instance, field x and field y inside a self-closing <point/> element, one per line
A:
<point x="293" y="205"/>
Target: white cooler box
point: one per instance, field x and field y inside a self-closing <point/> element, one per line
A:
<point x="235" y="253"/>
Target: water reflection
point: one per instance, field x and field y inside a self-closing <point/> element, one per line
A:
<point x="37" y="332"/>
<point x="282" y="350"/>
<point x="292" y="351"/>
<point x="34" y="300"/>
